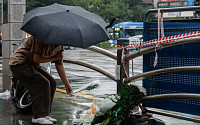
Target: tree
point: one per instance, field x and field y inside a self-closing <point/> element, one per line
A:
<point x="109" y="11"/>
<point x="31" y="4"/>
<point x="124" y="10"/>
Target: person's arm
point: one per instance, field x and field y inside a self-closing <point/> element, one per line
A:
<point x="61" y="71"/>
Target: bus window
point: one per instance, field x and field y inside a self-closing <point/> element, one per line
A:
<point x="126" y="30"/>
<point x="133" y="32"/>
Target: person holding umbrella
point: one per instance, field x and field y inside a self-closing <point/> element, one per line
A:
<point x="52" y="26"/>
<point x="25" y="66"/>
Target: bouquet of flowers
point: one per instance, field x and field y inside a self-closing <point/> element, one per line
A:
<point x="111" y="110"/>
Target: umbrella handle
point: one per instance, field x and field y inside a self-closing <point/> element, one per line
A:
<point x="111" y="23"/>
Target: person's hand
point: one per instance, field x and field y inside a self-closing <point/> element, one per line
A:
<point x="59" y="55"/>
<point x="68" y="89"/>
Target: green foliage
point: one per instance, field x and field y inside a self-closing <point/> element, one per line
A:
<point x="125" y="10"/>
<point x="104" y="44"/>
<point x="108" y="11"/>
<point x="92" y="87"/>
<point x="130" y="96"/>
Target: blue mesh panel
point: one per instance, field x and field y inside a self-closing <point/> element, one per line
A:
<point x="183" y="55"/>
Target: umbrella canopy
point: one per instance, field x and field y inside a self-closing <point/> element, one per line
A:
<point x="65" y="25"/>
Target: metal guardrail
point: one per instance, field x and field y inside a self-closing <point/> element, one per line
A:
<point x="94" y="67"/>
<point x="141" y="52"/>
<point x="102" y="51"/>
<point x="188" y="69"/>
<point x="176" y="96"/>
<point x="173" y="96"/>
<point x="163" y="45"/>
<point x="91" y="66"/>
<point x="183" y="69"/>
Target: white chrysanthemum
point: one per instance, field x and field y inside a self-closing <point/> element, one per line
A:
<point x="114" y="98"/>
<point x="141" y="89"/>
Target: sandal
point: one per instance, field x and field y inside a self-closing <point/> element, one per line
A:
<point x="42" y="121"/>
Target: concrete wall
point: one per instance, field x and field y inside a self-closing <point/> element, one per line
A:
<point x="11" y="33"/>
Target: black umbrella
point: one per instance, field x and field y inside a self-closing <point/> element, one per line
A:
<point x="65" y="25"/>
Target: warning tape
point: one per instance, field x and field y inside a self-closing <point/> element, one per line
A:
<point x="122" y="61"/>
<point x="163" y="40"/>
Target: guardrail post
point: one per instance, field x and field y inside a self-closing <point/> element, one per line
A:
<point x="120" y="74"/>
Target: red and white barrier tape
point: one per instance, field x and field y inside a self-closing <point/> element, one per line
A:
<point x="164" y="40"/>
<point x="122" y="61"/>
<point x="157" y="42"/>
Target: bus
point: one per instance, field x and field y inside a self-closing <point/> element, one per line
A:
<point x="126" y="30"/>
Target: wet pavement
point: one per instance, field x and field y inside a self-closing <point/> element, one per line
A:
<point x="80" y="76"/>
<point x="65" y="109"/>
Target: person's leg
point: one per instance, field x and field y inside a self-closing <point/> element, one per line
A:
<point x="52" y="83"/>
<point x="38" y="86"/>
<point x="41" y="96"/>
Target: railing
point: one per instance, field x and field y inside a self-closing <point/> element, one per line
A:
<point x="149" y="34"/>
<point x="173" y="96"/>
<point x="141" y="52"/>
<point x="91" y="66"/>
<point x="163" y="45"/>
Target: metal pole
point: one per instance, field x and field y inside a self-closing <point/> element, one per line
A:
<point x="119" y="70"/>
<point x="91" y="66"/>
<point x="182" y="69"/>
<point x="120" y="73"/>
<point x="172" y="96"/>
<point x="103" y="51"/>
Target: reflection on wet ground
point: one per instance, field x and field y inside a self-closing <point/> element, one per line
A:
<point x="64" y="110"/>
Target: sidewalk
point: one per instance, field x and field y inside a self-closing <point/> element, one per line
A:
<point x="64" y="109"/>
